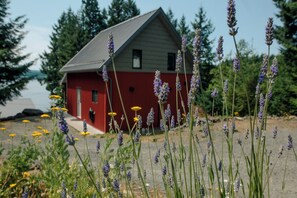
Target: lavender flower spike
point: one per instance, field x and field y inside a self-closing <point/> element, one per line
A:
<point x="177" y="84"/>
<point x="110" y="45"/>
<point x="184" y="43"/>
<point x="263" y="69"/>
<point x="236" y="65"/>
<point x="120" y="138"/>
<point x="150" y="117"/>
<point x="214" y="94"/>
<point x="226" y="86"/>
<point x="104" y="74"/>
<point x="106" y="169"/>
<point x="274" y="68"/>
<point x="179" y="61"/>
<point x="164" y="91"/>
<point x="231" y="20"/>
<point x="220" y="53"/>
<point x="290" y="142"/>
<point x="269" y="32"/>
<point x="157" y="83"/>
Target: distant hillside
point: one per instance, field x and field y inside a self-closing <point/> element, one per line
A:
<point x="36" y="74"/>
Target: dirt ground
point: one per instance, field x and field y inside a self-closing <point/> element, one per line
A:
<point x="285" y="125"/>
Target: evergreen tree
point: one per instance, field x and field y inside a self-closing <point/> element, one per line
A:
<point x="121" y="10"/>
<point x="207" y="56"/>
<point x="171" y="18"/>
<point x="131" y="10"/>
<point x="12" y="64"/>
<point x="182" y="27"/>
<point x="93" y="20"/>
<point x="66" y="40"/>
<point x="286" y="36"/>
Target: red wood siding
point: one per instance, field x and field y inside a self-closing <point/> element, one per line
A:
<point x="87" y="82"/>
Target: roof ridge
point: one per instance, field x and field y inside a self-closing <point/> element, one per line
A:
<point x="130" y="19"/>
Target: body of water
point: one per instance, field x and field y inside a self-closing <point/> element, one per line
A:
<point x="38" y="94"/>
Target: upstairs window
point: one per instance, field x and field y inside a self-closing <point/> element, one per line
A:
<point x="94" y="96"/>
<point x="171" y="62"/>
<point x="137" y="59"/>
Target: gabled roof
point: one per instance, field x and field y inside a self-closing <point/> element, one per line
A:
<point x="95" y="54"/>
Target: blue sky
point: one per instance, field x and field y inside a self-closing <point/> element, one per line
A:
<point x="252" y="16"/>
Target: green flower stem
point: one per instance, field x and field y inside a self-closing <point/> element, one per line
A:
<point x="109" y="101"/>
<point x="119" y="91"/>
<point x="89" y="174"/>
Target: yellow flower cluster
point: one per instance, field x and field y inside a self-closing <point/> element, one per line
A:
<point x="25" y="121"/>
<point x="36" y="134"/>
<point x="55" y="97"/>
<point x="135" y="108"/>
<point x="58" y="109"/>
<point x="44" y="115"/>
<point x="26" y="174"/>
<point x="2" y="128"/>
<point x="112" y="114"/>
<point x="85" y="133"/>
<point x="45" y="131"/>
<point x="12" y="135"/>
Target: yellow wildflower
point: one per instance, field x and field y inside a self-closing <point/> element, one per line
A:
<point x="112" y="114"/>
<point x="44" y="115"/>
<point x="39" y="127"/>
<point x="54" y="97"/>
<point x="36" y="134"/>
<point x="26" y="121"/>
<point x="135" y="119"/>
<point x="39" y="140"/>
<point x="45" y="131"/>
<point x="2" y="129"/>
<point x="55" y="108"/>
<point x="26" y="174"/>
<point x="76" y="139"/>
<point x="85" y="133"/>
<point x="12" y="135"/>
<point x="135" y="108"/>
<point x="64" y="109"/>
<point x="12" y="185"/>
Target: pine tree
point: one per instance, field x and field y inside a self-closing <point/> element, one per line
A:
<point x="131" y="9"/>
<point x="92" y="18"/>
<point x="286" y="36"/>
<point x="171" y="18"/>
<point x="207" y="55"/>
<point x="66" y="40"/>
<point x="182" y="27"/>
<point x="12" y="64"/>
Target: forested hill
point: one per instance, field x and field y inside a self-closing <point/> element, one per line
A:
<point x="35" y="74"/>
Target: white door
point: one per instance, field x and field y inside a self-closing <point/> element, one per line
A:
<point x="78" y="102"/>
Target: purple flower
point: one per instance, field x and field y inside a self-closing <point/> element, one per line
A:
<point x="157" y="83"/>
<point x="63" y="125"/>
<point x="98" y="146"/>
<point x="226" y="130"/>
<point x="257" y="89"/>
<point x="156" y="158"/>
<point x="150" y="117"/>
<point x="110" y="45"/>
<point x="231" y="19"/>
<point x="214" y="93"/>
<point x="120" y="138"/>
<point x="274" y="133"/>
<point x="196" y="48"/>
<point x="261" y="107"/>
<point x="195" y="82"/>
<point x="220" y="53"/>
<point x="239" y="141"/>
<point x="290" y="142"/>
<point x="237" y="185"/>
<point x="220" y="165"/>
<point x="236" y="65"/>
<point x="179" y="61"/>
<point x="167" y="112"/>
<point x="226" y="86"/>
<point x="177" y="84"/>
<point x="85" y="129"/>
<point x="269" y="32"/>
<point x="184" y="43"/>
<point x="172" y="124"/>
<point x="129" y="175"/>
<point x="204" y="160"/>
<point x="263" y="69"/>
<point x="164" y="170"/>
<point x="116" y="185"/>
<point x="205" y="130"/>
<point x="139" y="122"/>
<point x="64" y="190"/>
<point x="104" y="74"/>
<point x="274" y="68"/>
<point x="164" y="91"/>
<point x="25" y="194"/>
<point x="70" y="140"/>
<point x="106" y="169"/>
<point x="137" y="137"/>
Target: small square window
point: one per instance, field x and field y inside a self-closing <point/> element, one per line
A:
<point x="171" y="62"/>
<point x="94" y="96"/>
<point x="137" y="59"/>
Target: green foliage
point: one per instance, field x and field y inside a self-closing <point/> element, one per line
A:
<point x="121" y="10"/>
<point x="182" y="27"/>
<point x="171" y="18"/>
<point x="66" y="41"/>
<point x="13" y="65"/>
<point x="285" y="34"/>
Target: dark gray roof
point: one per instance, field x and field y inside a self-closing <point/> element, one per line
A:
<point x="95" y="53"/>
